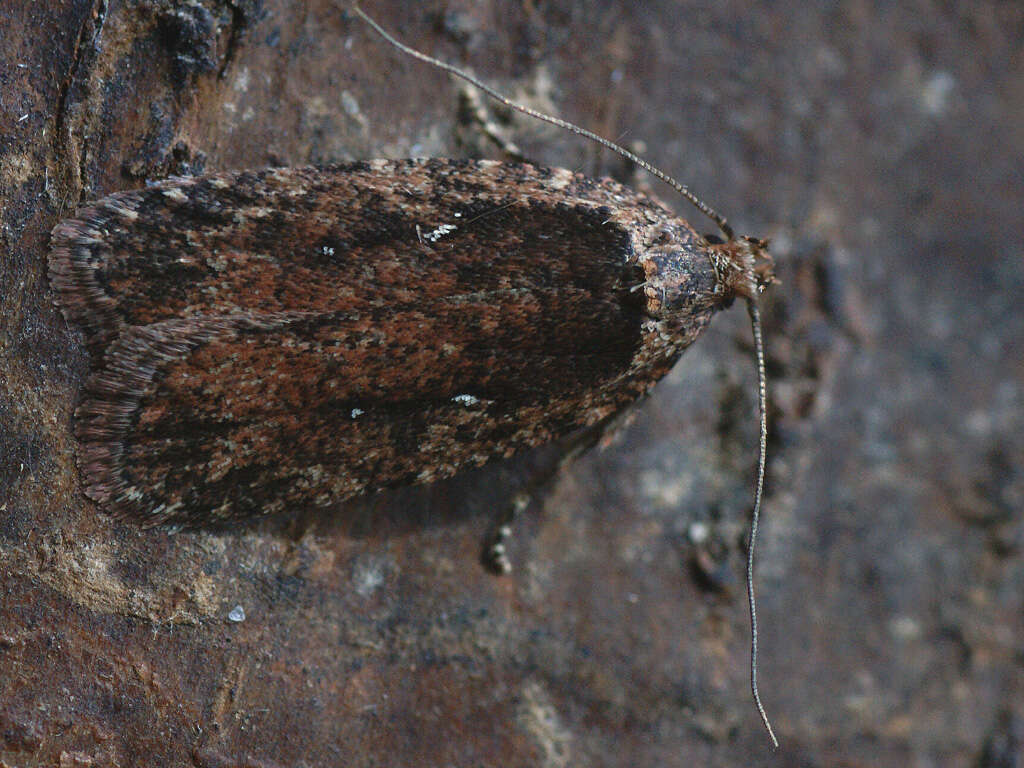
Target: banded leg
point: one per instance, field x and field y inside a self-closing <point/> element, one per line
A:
<point x="495" y="554"/>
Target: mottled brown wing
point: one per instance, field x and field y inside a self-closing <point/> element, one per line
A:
<point x="286" y="338"/>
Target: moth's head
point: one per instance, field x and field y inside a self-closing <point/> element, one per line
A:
<point x="743" y="267"/>
<point x="705" y="275"/>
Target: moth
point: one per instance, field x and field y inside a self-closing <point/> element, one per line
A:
<point x="285" y="338"/>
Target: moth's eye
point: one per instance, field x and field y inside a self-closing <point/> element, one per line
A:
<point x="713" y="240"/>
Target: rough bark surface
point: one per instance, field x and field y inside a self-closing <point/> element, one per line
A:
<point x="879" y="145"/>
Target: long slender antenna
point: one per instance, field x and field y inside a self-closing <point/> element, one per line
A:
<point x="755" y="315"/>
<point x="762" y="406"/>
<point x="682" y="189"/>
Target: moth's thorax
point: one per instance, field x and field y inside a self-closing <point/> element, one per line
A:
<point x="685" y="274"/>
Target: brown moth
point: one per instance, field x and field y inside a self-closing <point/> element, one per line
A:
<point x="288" y="338"/>
<point x="302" y="335"/>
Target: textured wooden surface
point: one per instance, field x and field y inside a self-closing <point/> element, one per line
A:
<point x="879" y="145"/>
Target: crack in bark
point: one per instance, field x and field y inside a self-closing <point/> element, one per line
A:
<point x="63" y="146"/>
<point x="240" y="22"/>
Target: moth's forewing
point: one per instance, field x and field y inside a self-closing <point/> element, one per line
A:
<point x="294" y="337"/>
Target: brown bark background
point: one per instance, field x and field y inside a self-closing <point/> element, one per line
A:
<point x="880" y="145"/>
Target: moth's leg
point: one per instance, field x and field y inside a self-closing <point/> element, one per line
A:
<point x="495" y="555"/>
<point x="473" y="114"/>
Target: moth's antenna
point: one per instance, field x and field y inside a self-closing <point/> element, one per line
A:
<point x="762" y="406"/>
<point x="682" y="189"/>
<point x="755" y="315"/>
